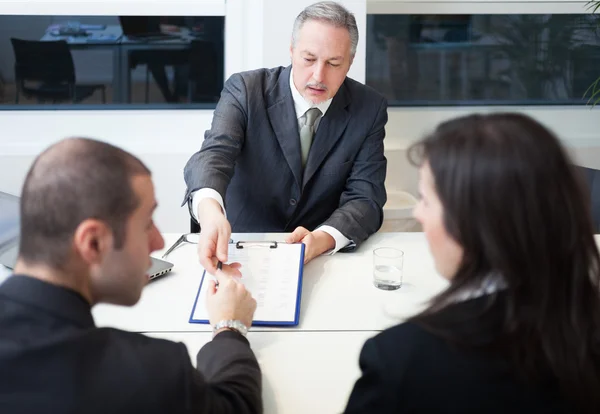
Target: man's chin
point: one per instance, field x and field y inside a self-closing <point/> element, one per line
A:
<point x="314" y="100"/>
<point x="129" y="300"/>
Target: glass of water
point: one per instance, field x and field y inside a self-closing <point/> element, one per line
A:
<point x="387" y="268"/>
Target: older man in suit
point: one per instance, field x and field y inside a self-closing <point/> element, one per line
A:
<point x="86" y="239"/>
<point x="296" y="149"/>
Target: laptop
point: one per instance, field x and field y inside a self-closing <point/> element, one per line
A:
<point x="144" y="28"/>
<point x="9" y="237"/>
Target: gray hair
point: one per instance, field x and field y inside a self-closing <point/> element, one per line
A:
<point x="332" y="13"/>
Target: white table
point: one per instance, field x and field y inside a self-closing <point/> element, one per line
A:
<point x="303" y="372"/>
<point x="337" y="291"/>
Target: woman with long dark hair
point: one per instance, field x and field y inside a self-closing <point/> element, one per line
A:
<point x="508" y="223"/>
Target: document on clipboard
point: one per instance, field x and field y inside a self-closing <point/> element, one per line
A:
<point x="272" y="273"/>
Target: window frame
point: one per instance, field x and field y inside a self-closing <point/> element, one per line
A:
<point x="577" y="126"/>
<point x="68" y="9"/>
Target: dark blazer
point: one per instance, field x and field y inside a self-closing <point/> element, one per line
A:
<point x="406" y="369"/>
<point x="251" y="156"/>
<point x="54" y="360"/>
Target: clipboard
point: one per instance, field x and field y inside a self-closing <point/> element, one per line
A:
<point x="272" y="272"/>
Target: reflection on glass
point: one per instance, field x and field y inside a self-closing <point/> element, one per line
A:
<point x="482" y="59"/>
<point x="114" y="60"/>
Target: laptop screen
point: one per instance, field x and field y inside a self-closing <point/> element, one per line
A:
<point x="9" y="229"/>
<point x="9" y="218"/>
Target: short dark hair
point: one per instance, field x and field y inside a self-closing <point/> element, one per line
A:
<point x="74" y="180"/>
<point x="516" y="204"/>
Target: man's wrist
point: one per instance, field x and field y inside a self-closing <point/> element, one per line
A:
<point x="230" y="324"/>
<point x="324" y="240"/>
<point x="208" y="207"/>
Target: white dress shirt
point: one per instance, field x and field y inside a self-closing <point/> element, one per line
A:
<point x="301" y="106"/>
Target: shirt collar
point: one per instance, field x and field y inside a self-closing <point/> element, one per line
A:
<point x="51" y="299"/>
<point x="300" y="104"/>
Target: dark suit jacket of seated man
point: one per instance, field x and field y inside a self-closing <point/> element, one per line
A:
<point x="251" y="156"/>
<point x="87" y="239"/>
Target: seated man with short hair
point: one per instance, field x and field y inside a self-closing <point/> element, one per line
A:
<point x="86" y="237"/>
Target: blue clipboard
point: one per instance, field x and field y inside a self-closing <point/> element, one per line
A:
<point x="298" y="294"/>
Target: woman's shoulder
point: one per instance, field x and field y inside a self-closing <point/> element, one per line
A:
<point x="473" y="322"/>
<point x="407" y="338"/>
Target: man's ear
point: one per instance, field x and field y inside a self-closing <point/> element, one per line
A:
<point x="92" y="240"/>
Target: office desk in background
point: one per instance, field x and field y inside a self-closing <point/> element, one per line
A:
<point x="111" y="37"/>
<point x="107" y="38"/>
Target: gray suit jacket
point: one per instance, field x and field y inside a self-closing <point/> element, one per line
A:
<point x="251" y="156"/>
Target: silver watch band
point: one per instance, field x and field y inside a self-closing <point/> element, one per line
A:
<point x="231" y="324"/>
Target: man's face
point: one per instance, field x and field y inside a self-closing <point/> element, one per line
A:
<point x="123" y="273"/>
<point x="321" y="59"/>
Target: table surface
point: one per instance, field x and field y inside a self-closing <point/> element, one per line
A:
<point x="303" y="372"/>
<point x="312" y="367"/>
<point x="337" y="291"/>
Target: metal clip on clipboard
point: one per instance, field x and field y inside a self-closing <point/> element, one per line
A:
<point x="240" y="244"/>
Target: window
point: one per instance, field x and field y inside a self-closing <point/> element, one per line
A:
<point x="111" y="61"/>
<point x="483" y="59"/>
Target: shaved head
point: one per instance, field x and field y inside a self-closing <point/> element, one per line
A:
<point x="71" y="181"/>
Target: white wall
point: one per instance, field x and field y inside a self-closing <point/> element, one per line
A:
<point x="257" y="35"/>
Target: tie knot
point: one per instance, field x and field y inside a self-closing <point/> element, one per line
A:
<point x="311" y="116"/>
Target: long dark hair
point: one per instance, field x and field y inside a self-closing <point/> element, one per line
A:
<point x="516" y="204"/>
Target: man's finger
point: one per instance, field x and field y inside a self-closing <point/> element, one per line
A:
<point x="205" y="256"/>
<point x="229" y="270"/>
<point x="297" y="235"/>
<point x="222" y="246"/>
<point x="212" y="288"/>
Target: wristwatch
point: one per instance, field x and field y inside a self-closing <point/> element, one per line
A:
<point x="234" y="325"/>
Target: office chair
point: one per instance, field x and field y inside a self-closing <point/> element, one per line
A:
<point x="50" y="65"/>
<point x="592" y="179"/>
<point x="194" y="226"/>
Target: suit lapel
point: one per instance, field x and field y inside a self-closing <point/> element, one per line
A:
<point x="329" y="131"/>
<point x="282" y="116"/>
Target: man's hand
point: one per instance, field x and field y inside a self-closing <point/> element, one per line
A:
<point x="214" y="235"/>
<point x="229" y="300"/>
<point x="316" y="242"/>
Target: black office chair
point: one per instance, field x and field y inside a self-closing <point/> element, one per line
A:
<point x="204" y="72"/>
<point x="45" y="70"/>
<point x="592" y="178"/>
<point x="194" y="226"/>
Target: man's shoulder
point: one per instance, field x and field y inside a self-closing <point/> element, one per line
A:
<point x="262" y="76"/>
<point x="363" y="92"/>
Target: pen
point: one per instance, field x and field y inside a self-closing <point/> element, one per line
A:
<point x="219" y="267"/>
